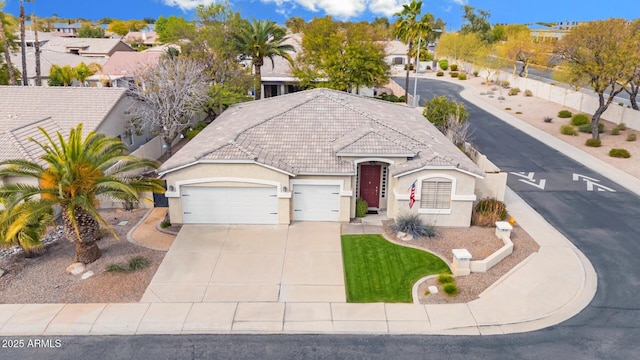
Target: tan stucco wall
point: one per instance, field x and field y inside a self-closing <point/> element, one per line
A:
<point x="460" y="215"/>
<point x="114" y="124"/>
<point x="204" y="174"/>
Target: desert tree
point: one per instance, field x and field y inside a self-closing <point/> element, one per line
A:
<point x="344" y="55"/>
<point x="521" y="48"/>
<point x="603" y="53"/>
<point x="168" y="97"/>
<point x="460" y="47"/>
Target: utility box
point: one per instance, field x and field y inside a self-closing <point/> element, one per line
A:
<point x="503" y="228"/>
<point x="461" y="262"/>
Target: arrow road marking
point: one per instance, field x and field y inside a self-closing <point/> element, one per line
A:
<point x="530" y="179"/>
<point x="592" y="183"/>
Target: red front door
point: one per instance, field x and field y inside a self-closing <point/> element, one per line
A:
<point x="370" y="184"/>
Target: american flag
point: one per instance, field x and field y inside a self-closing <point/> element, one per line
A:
<point x="412" y="195"/>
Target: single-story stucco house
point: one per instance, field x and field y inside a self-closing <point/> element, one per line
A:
<point x="309" y="155"/>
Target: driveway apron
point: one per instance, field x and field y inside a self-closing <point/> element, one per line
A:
<point x="301" y="262"/>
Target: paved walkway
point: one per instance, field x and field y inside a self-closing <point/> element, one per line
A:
<point x="547" y="288"/>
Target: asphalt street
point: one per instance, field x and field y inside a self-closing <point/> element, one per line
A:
<point x="600" y="217"/>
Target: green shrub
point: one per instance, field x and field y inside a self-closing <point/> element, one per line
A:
<point x="115" y="268"/>
<point x="518" y="112"/>
<point x="410" y="67"/>
<point x="619" y="153"/>
<point x="504" y="83"/>
<point x="564" y="114"/>
<point x="440" y="73"/>
<point x="568" y="130"/>
<point x="621" y="126"/>
<point x="586" y="128"/>
<point x="391" y="97"/>
<point x="138" y="263"/>
<point x="450" y="289"/>
<point x="454" y="67"/>
<point x="507" y="108"/>
<point x="615" y="131"/>
<point x="593" y="142"/>
<point x="580" y="119"/>
<point x="514" y="91"/>
<point x="165" y="224"/>
<point x="547" y="119"/>
<point x="413" y="225"/>
<point x="195" y="130"/>
<point x="462" y="77"/>
<point x="631" y="137"/>
<point x="361" y="207"/>
<point x="444" y="64"/>
<point x="454" y="74"/>
<point x="488" y="211"/>
<point x="475" y="74"/>
<point x="528" y="93"/>
<point x="445" y="279"/>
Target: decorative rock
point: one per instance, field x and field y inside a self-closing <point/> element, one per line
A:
<point x="401" y="234"/>
<point x="87" y="275"/>
<point x="1" y="272"/>
<point x="433" y="289"/>
<point x="75" y="268"/>
<point x="404" y="236"/>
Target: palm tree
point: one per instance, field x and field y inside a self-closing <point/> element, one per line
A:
<point x="407" y="27"/>
<point x="78" y="170"/>
<point x="24" y="224"/>
<point x="83" y="71"/>
<point x="23" y="47"/>
<point x="261" y="39"/>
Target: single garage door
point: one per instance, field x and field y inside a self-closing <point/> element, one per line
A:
<point x="229" y="205"/>
<point x="316" y="202"/>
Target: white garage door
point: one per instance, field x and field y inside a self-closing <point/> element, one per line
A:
<point x="229" y="205"/>
<point x="316" y="202"/>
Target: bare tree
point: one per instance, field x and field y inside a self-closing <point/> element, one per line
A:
<point x="169" y="96"/>
<point x="457" y="131"/>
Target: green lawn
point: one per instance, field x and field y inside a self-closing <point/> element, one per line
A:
<point x="379" y="271"/>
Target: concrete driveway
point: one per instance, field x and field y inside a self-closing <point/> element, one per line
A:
<point x="252" y="263"/>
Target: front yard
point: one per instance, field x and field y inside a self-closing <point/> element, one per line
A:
<point x="379" y="271"/>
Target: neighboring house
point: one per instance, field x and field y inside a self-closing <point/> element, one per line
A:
<point x="278" y="79"/>
<point x="396" y="53"/>
<point x="86" y="46"/>
<point x="47" y="59"/>
<point x="66" y="30"/>
<point x="120" y="68"/>
<point x="30" y="37"/>
<point x="25" y="108"/>
<point x="146" y="38"/>
<point x="308" y="156"/>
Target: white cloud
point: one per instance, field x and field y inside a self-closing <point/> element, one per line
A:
<point x="460" y="2"/>
<point x="188" y="4"/>
<point x="344" y="9"/>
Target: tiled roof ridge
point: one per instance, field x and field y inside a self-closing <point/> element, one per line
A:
<point x="367" y="115"/>
<point x="19" y="146"/>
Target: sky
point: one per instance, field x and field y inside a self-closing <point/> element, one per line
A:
<point x="502" y="11"/>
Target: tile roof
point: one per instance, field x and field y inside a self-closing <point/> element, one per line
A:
<point x="89" y="45"/>
<point x="307" y="132"/>
<point x="395" y="47"/>
<point x="126" y="63"/>
<point x="24" y="108"/>
<point x="49" y="58"/>
<point x="281" y="67"/>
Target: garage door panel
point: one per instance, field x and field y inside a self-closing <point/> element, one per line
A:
<point x="316" y="202"/>
<point x="229" y="205"/>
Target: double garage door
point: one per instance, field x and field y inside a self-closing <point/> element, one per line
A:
<point x="257" y="205"/>
<point x="229" y="205"/>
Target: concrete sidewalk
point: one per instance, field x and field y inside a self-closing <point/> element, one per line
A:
<point x="547" y="288"/>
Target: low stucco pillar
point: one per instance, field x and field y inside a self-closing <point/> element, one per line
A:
<point x="503" y="229"/>
<point x="461" y="262"/>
